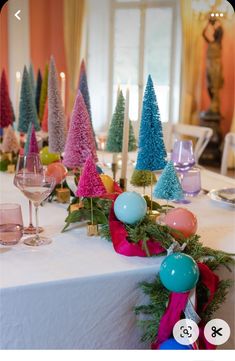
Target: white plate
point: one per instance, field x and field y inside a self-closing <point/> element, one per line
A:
<point x="224" y="195"/>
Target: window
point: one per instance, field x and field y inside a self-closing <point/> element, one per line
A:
<point x="127" y="40"/>
<point x="143" y="43"/>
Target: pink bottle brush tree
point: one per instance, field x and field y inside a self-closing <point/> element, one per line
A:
<point x="56" y="116"/>
<point x="10" y="143"/>
<point x="6" y="112"/>
<point x="90" y="184"/>
<point x="33" y="145"/>
<point x="80" y="142"/>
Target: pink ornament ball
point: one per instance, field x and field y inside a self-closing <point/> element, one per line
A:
<point x="57" y="170"/>
<point x="182" y="220"/>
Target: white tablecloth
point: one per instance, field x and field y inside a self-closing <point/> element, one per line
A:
<point x="77" y="293"/>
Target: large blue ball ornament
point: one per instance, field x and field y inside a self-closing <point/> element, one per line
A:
<point x="172" y="344"/>
<point x="179" y="272"/>
<point x="130" y="207"/>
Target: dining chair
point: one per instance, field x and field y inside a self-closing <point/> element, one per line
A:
<point x="229" y="145"/>
<point x="201" y="135"/>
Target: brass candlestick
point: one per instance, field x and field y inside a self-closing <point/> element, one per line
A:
<point x="123" y="184"/>
<point x="114" y="168"/>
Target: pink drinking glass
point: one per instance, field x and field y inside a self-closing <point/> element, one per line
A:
<point x="11" y="224"/>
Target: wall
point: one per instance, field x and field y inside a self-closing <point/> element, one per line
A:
<point x="46" y="33"/>
<point x="4" y="38"/>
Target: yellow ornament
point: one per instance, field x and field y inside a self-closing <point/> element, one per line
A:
<point x="48" y="158"/>
<point x="107" y="182"/>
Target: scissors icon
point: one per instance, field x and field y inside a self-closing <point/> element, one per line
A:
<point x="216" y="332"/>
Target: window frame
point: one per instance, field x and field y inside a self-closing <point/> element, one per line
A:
<point x="142" y="5"/>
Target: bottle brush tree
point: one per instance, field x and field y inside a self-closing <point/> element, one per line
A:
<point x="115" y="133"/>
<point x="43" y="94"/>
<point x="10" y="143"/>
<point x="83" y="87"/>
<point x="168" y="186"/>
<point x="56" y="116"/>
<point x="152" y="153"/>
<point x="6" y="110"/>
<point x="38" y="90"/>
<point x="27" y="113"/>
<point x="80" y="142"/>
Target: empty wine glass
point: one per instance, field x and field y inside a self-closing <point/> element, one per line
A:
<point x="36" y="187"/>
<point x="183" y="155"/>
<point x="183" y="159"/>
<point x="29" y="161"/>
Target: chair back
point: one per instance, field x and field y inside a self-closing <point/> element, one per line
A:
<point x="202" y="135"/>
<point x="229" y="146"/>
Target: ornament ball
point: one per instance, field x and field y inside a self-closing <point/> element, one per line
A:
<point x="182" y="220"/>
<point x="48" y="158"/>
<point x="179" y="272"/>
<point x="130" y="207"/>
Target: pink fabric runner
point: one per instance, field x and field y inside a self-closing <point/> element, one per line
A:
<point x="121" y="245"/>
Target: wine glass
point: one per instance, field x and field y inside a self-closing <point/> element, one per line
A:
<point x="37" y="187"/>
<point x="30" y="161"/>
<point x="183" y="155"/>
<point x="183" y="159"/>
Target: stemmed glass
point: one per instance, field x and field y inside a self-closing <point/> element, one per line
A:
<point x="183" y="155"/>
<point x="31" y="160"/>
<point x="36" y="186"/>
<point x="183" y="159"/>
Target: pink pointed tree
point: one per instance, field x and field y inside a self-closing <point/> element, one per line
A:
<point x="45" y="118"/>
<point x="56" y="116"/>
<point x="6" y="114"/>
<point x="33" y="145"/>
<point x="10" y="143"/>
<point x="80" y="143"/>
<point x="90" y="184"/>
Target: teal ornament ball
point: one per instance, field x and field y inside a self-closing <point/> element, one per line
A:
<point x="179" y="272"/>
<point x="130" y="207"/>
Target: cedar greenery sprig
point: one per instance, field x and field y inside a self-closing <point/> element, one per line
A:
<point x="152" y="312"/>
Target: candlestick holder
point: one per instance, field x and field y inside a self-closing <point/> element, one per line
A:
<point x="92" y="229"/>
<point x="123" y="184"/>
<point x="114" y="168"/>
<point x="63" y="195"/>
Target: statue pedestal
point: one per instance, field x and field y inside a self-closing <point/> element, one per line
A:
<point x="212" y="153"/>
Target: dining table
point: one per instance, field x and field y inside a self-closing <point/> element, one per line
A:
<point x="77" y="292"/>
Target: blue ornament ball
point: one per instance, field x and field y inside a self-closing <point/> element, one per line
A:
<point x="179" y="272"/>
<point x="130" y="207"/>
<point x="172" y="344"/>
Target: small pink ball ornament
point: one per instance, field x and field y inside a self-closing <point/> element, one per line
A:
<point x="182" y="220"/>
<point x="57" y="170"/>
